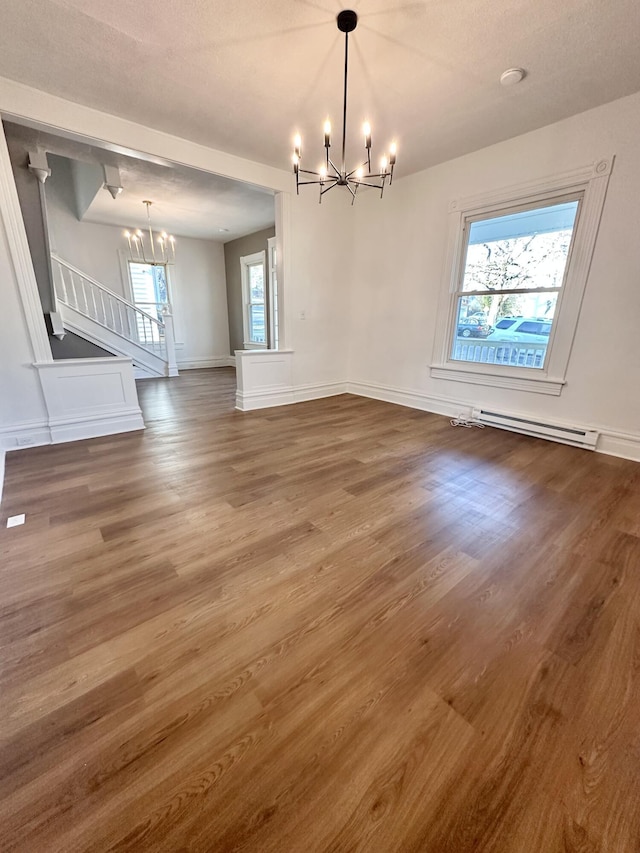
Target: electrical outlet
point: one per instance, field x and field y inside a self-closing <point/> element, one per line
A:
<point x="24" y="441"/>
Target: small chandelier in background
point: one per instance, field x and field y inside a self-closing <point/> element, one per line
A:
<point x="329" y="175"/>
<point x="161" y="249"/>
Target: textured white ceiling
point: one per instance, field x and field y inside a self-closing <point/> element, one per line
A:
<point x="186" y="202"/>
<point x="243" y="77"/>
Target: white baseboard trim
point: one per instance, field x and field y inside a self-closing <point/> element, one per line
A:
<point x="94" y="426"/>
<point x="624" y="445"/>
<point x="266" y="398"/>
<point x="247" y="401"/>
<point x="25" y="434"/>
<point x="21" y="436"/>
<point x="412" y="399"/>
<point x="315" y="391"/>
<point x="199" y="363"/>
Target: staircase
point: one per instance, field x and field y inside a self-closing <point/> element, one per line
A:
<point x="95" y="313"/>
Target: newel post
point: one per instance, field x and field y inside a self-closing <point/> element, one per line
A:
<point x="170" y="341"/>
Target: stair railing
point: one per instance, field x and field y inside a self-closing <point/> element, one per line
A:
<point x="95" y="301"/>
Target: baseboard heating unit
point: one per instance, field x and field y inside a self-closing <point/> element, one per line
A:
<point x="576" y="436"/>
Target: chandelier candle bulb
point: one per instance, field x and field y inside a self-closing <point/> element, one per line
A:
<point x="366" y="129"/>
<point x="392" y="153"/>
<point x="297" y="145"/>
<point x="327" y="134"/>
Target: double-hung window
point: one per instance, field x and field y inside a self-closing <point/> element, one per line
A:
<point x="254" y="291"/>
<point x="511" y="283"/>
<point x="149" y="291"/>
<point x="516" y="273"/>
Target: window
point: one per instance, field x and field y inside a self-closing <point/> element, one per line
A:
<point x="512" y="278"/>
<point x="254" y="297"/>
<point x="516" y="273"/>
<point x="149" y="292"/>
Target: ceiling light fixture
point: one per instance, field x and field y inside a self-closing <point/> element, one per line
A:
<point x="329" y="175"/>
<point x="161" y="250"/>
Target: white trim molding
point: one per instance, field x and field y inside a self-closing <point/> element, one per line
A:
<point x="21" y="256"/>
<point x="266" y="399"/>
<point x="246" y="261"/>
<point x="44" y="111"/>
<point x="589" y="183"/>
<point x="25" y="434"/>
<point x="520" y="382"/>
<point x="207" y="361"/>
<point x="412" y="399"/>
<point x="614" y="443"/>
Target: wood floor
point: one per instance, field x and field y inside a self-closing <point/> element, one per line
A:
<point x="336" y="626"/>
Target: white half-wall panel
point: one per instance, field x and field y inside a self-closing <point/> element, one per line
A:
<point x="90" y="397"/>
<point x="400" y="253"/>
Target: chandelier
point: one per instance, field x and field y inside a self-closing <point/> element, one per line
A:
<point x="329" y="175"/>
<point x="161" y="250"/>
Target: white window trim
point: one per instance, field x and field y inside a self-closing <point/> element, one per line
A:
<point x="272" y="269"/>
<point x="590" y="180"/>
<point x="245" y="263"/>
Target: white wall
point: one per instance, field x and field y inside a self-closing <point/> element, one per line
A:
<point x="321" y="254"/>
<point x="400" y="251"/>
<point x="197" y="280"/>
<point x="199" y="295"/>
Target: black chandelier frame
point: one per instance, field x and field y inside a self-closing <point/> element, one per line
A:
<point x="347" y="21"/>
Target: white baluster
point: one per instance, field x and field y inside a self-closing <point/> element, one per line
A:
<point x="92" y="291"/>
<point x="64" y="286"/>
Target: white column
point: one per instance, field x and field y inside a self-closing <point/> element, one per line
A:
<point x="21" y="257"/>
<point x="170" y="341"/>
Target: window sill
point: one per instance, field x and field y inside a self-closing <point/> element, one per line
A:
<point x="252" y="345"/>
<point x="528" y="382"/>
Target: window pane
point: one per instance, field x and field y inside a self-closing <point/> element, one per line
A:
<point x="256" y="324"/>
<point x="256" y="282"/>
<point x="522" y="251"/>
<point x="484" y="335"/>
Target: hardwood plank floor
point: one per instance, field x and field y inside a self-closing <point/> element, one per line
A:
<point x="336" y="626"/>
